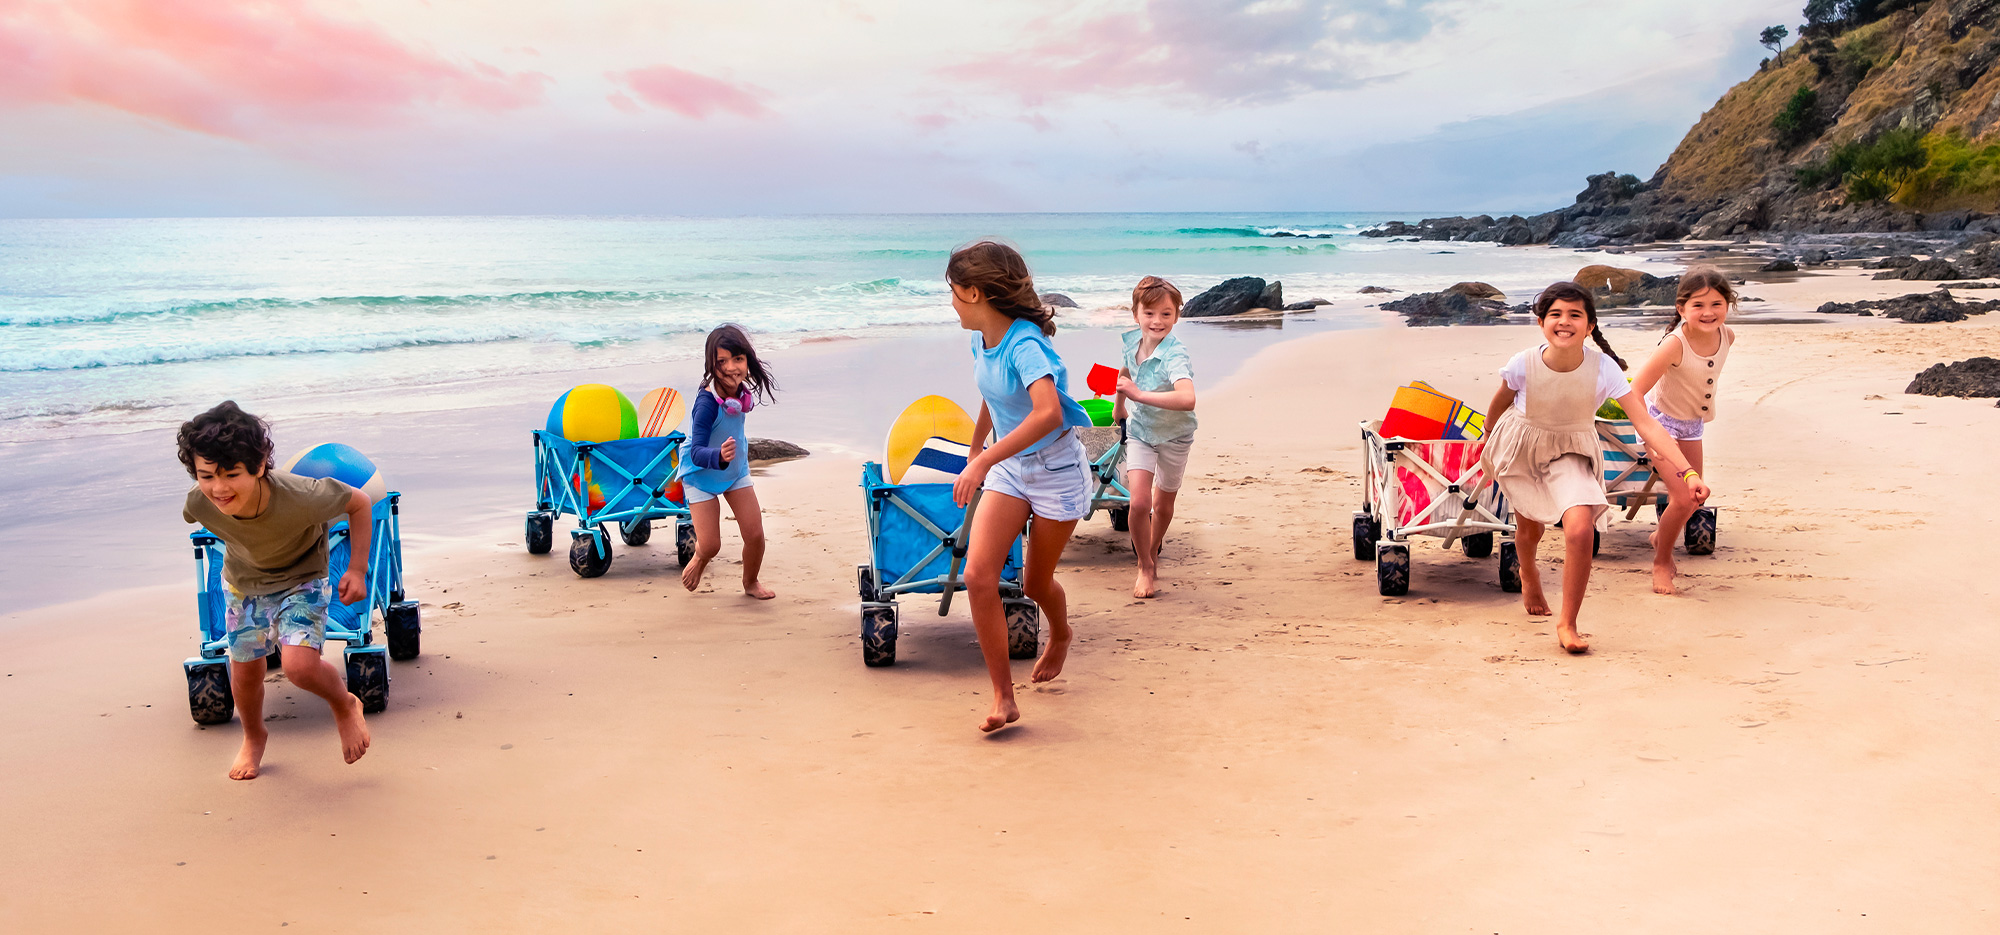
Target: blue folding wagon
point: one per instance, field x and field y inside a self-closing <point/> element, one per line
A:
<point x="210" y="699"/>
<point x="629" y="482"/>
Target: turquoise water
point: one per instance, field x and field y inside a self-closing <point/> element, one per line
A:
<point x="112" y="325"/>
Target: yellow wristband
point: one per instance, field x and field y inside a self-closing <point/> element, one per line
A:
<point x="1690" y="472"/>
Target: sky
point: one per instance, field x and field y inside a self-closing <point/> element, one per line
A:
<point x="127" y="108"/>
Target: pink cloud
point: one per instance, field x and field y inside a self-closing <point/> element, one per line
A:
<point x="690" y="94"/>
<point x="932" y="121"/>
<point x="231" y="67"/>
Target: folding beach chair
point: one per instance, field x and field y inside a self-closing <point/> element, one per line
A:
<point x="1630" y="483"/>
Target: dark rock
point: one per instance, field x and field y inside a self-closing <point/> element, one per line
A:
<point x="1779" y="265"/>
<point x="1447" y="308"/>
<point x="1815" y="257"/>
<point x="1898" y="261"/>
<point x="1273" y="296"/>
<point x="1579" y="240"/>
<point x="1057" y="300"/>
<point x="1971" y="285"/>
<point x="1306" y="306"/>
<point x="1975" y="378"/>
<point x="1476" y="290"/>
<point x="1230" y="297"/>
<point x="1917" y="308"/>
<point x="1648" y="289"/>
<point x="1924" y="270"/>
<point x="1370" y="290"/>
<point x="771" y="449"/>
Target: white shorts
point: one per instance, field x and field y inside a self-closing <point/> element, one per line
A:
<point x="1166" y="461"/>
<point x="697" y="495"/>
<point x="1055" y="480"/>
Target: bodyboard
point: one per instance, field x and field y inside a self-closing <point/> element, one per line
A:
<point x="661" y="412"/>
<point x="927" y="418"/>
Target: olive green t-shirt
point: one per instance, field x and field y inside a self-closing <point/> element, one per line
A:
<point x="285" y="545"/>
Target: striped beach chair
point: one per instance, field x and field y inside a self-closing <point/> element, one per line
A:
<point x="1631" y="483"/>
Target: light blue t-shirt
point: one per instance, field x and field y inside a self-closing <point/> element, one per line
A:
<point x="1158" y="373"/>
<point x="1005" y="372"/>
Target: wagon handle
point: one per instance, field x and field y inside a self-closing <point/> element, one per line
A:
<point x="958" y="546"/>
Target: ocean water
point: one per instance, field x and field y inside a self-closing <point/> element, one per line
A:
<point x="124" y="325"/>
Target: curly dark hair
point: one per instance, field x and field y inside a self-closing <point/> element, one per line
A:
<point x="227" y="436"/>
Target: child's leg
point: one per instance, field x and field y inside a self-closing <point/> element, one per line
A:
<point x="1046" y="540"/>
<point x="999" y="517"/>
<point x="1163" y="516"/>
<point x="1680" y="506"/>
<point x="246" y="682"/>
<point x="306" y="668"/>
<point x="1579" y="535"/>
<point x="750" y="523"/>
<point x="1527" y="535"/>
<point x="707" y="518"/>
<point x="1139" y="519"/>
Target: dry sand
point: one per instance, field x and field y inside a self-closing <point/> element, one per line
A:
<point x="1803" y="741"/>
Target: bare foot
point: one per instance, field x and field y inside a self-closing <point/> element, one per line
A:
<point x="354" y="738"/>
<point x="1144" y="585"/>
<point x="1571" y="640"/>
<point x="252" y="754"/>
<point x="1531" y="593"/>
<point x="691" y="575"/>
<point x="758" y="591"/>
<point x="1005" y="712"/>
<point x="1663" y="577"/>
<point x="1053" y="657"/>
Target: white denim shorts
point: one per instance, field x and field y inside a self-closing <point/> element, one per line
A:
<point x="1055" y="480"/>
<point x="698" y="495"/>
<point x="1166" y="461"/>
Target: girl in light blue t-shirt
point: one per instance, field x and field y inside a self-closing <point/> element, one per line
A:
<point x="1035" y="466"/>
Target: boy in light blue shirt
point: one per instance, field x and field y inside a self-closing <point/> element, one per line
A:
<point x="1156" y="398"/>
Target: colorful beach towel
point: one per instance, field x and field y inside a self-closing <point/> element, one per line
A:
<point x="1456" y="464"/>
<point x="1419" y="411"/>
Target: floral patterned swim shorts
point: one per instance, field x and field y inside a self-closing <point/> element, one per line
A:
<point x="257" y="623"/>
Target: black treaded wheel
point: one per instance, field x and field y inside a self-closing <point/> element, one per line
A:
<point x="210" y="699"/>
<point x="1024" y="629"/>
<point x="1700" y="535"/>
<point x="636" y="533"/>
<point x="540" y="533"/>
<point x="683" y="542"/>
<point x="402" y="622"/>
<point x="368" y="679"/>
<point x="1121" y="518"/>
<point x="1596" y="542"/>
<point x="864" y="576"/>
<point x="1367" y="532"/>
<point x="1510" y="567"/>
<point x="589" y="556"/>
<point x="1478" y="545"/>
<point x="878" y="635"/>
<point x="1392" y="568"/>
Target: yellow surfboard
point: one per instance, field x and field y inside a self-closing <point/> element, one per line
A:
<point x="661" y="412"/>
<point x="931" y="416"/>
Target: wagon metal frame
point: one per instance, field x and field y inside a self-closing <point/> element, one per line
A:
<point x="1469" y="515"/>
<point x="1107" y="488"/>
<point x="1630" y="483"/>
<point x="920" y="520"/>
<point x="210" y="699"/>
<point x="634" y="475"/>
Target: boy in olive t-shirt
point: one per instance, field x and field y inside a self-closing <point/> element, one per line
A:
<point x="274" y="525"/>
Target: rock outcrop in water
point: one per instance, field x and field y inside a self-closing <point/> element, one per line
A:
<point x="1448" y="308"/>
<point x="1234" y="297"/>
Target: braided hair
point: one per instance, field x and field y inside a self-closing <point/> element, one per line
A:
<point x="1560" y="291"/>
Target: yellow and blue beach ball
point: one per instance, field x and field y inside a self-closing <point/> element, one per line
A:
<point x="342" y="463"/>
<point x="593" y="412"/>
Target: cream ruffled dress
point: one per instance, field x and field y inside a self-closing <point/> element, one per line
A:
<point x="1545" y="455"/>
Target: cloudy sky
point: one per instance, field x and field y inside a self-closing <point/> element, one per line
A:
<point x="259" y="107"/>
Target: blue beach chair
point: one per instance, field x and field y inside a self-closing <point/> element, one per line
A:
<point x="1629" y="483"/>
<point x="210" y="699"/>
<point x="916" y="545"/>
<point x="634" y="477"/>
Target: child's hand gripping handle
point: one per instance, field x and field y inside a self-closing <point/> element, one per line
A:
<point x="958" y="546"/>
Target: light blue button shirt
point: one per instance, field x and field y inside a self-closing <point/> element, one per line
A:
<point x="1005" y="372"/>
<point x="1168" y="364"/>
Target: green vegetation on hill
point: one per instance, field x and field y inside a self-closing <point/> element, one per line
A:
<point x="1909" y="167"/>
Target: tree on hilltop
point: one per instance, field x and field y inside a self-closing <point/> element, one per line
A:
<point x="1773" y="38"/>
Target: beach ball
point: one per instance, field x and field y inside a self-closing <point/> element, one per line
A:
<point x="342" y="463"/>
<point x="593" y="412"/>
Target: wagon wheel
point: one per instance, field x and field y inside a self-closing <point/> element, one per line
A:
<point x="1121" y="519"/>
<point x="589" y="555"/>
<point x="1366" y="533"/>
<point x="1024" y="629"/>
<point x="1478" y="545"/>
<point x="865" y="577"/>
<point x="878" y="635"/>
<point x="210" y="699"/>
<point x="636" y="533"/>
<point x="405" y="630"/>
<point x="1700" y="535"/>
<point x="368" y="679"/>
<point x="1392" y="568"/>
<point x="684" y="542"/>
<point x="1510" y="567"/>
<point x="541" y="532"/>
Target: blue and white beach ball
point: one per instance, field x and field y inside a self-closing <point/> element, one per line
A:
<point x="342" y="463"/>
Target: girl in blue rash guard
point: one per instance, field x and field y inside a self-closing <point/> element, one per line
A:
<point x="1035" y="466"/>
<point x="717" y="459"/>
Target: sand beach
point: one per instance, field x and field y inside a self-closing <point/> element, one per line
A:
<point x="1802" y="740"/>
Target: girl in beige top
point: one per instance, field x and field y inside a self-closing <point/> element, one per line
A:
<point x="1543" y="449"/>
<point x="1681" y="384"/>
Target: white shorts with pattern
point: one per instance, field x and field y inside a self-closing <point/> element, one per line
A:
<point x="1055" y="480"/>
